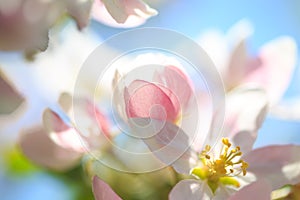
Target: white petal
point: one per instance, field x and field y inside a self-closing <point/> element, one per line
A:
<point x="192" y="190"/>
<point x="289" y="109"/>
<point x="274" y="70"/>
<point x="246" y="109"/>
<point x="279" y="164"/>
<point x="168" y="142"/>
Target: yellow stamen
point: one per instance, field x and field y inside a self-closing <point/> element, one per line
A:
<point x="221" y="170"/>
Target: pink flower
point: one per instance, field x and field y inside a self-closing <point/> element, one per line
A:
<point x="122" y="13"/>
<point x="163" y="99"/>
<point x="271" y="68"/>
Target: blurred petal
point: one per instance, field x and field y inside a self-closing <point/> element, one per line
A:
<point x="13" y="107"/>
<point x="257" y="190"/>
<point x="224" y="192"/>
<point x="65" y="102"/>
<point x="229" y="51"/>
<point x="237" y="37"/>
<point x="246" y="108"/>
<point x="39" y="148"/>
<point x="144" y="99"/>
<point x="10" y="98"/>
<point x="274" y="67"/>
<point x="237" y="65"/>
<point x="102" y="191"/>
<point x="90" y="122"/>
<point x="279" y="164"/>
<point x="192" y="190"/>
<point x="100" y="13"/>
<point x="288" y="109"/>
<point x="135" y="155"/>
<point x="24" y="24"/>
<point x="118" y="96"/>
<point x="215" y="45"/>
<point x="129" y="13"/>
<point x="168" y="143"/>
<point x="61" y="133"/>
<point x="80" y="10"/>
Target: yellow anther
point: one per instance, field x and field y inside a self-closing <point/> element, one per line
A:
<point x="207" y="148"/>
<point x="238" y="153"/>
<point x="245" y="165"/>
<point x="227" y="165"/>
<point x="234" y="150"/>
<point x="226" y="142"/>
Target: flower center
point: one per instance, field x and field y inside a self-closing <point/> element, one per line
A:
<point x="223" y="168"/>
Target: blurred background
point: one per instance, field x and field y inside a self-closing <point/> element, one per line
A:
<point x="19" y="179"/>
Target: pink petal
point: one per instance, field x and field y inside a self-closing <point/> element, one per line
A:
<point x="10" y="98"/>
<point x="144" y="99"/>
<point x="102" y="191"/>
<point x="88" y="109"/>
<point x="257" y="190"/>
<point x="91" y="123"/>
<point x="39" y="148"/>
<point x="279" y="164"/>
<point x="192" y="190"/>
<point x="61" y="133"/>
<point x="178" y="83"/>
<point x="102" y="120"/>
<point x="273" y="69"/>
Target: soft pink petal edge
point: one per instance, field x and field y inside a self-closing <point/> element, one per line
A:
<point x="278" y="164"/>
<point x="102" y="191"/>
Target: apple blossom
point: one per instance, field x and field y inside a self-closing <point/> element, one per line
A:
<point x="230" y="168"/>
<point x="271" y="68"/>
<point x="220" y="167"/>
